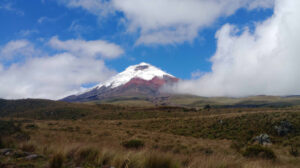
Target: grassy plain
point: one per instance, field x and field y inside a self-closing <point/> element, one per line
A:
<point x="104" y="136"/>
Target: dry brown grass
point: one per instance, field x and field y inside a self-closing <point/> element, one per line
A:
<point x="108" y="136"/>
<point x="86" y="142"/>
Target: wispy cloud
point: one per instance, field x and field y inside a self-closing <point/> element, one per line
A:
<point x="26" y="33"/>
<point x="79" y="29"/>
<point x="42" y="19"/>
<point x="97" y="7"/>
<point x="45" y="19"/>
<point x="95" y="48"/>
<point x="8" y="6"/>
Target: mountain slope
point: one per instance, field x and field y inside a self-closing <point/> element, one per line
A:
<point x="142" y="80"/>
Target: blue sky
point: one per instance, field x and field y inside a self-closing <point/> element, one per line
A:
<point x="56" y="20"/>
<point x="180" y="42"/>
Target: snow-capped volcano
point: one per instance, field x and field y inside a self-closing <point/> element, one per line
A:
<point x="137" y="80"/>
<point x="142" y="71"/>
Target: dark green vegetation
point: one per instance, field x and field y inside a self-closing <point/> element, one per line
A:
<point x="211" y="132"/>
<point x="259" y="151"/>
<point x="9" y="128"/>
<point x="57" y="161"/>
<point x="133" y="144"/>
<point x="42" y="109"/>
<point x="46" y="109"/>
<point x="216" y="102"/>
<point x="158" y="161"/>
<point x="241" y="127"/>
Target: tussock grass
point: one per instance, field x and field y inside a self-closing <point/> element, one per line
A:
<point x="94" y="158"/>
<point x="57" y="161"/>
<point x="88" y="156"/>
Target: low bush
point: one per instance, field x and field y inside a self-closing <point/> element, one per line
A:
<point x="57" y="161"/>
<point x="28" y="147"/>
<point x="31" y="126"/>
<point x="1" y="143"/>
<point x="294" y="151"/>
<point x="237" y="146"/>
<point x="160" y="161"/>
<point x="8" y="128"/>
<point x="207" y="151"/>
<point x="259" y="151"/>
<point x="133" y="144"/>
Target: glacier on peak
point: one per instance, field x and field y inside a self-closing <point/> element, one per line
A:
<point x="143" y="71"/>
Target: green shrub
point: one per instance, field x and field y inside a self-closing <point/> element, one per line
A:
<point x="136" y="144"/>
<point x="207" y="151"/>
<point x="207" y="107"/>
<point x="294" y="151"/>
<point x="31" y="126"/>
<point x="259" y="151"/>
<point x="8" y="128"/>
<point x="57" y="161"/>
<point x="1" y="143"/>
<point x="22" y="136"/>
<point x="28" y="147"/>
<point x="160" y="161"/>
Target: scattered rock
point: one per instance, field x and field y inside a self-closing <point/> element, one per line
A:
<point x="283" y="128"/>
<point x="32" y="157"/>
<point x="106" y="166"/>
<point x="263" y="139"/>
<point x="6" y="151"/>
<point x="20" y="154"/>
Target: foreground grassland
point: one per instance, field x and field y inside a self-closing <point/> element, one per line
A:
<point x="104" y="136"/>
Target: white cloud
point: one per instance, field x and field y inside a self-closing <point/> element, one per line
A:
<point x="167" y="21"/>
<point x="263" y="62"/>
<point x="177" y="21"/>
<point x="17" y="48"/>
<point x="261" y="4"/>
<point x="54" y="76"/>
<point x="51" y="77"/>
<point x="88" y="48"/>
<point x="97" y="7"/>
<point x="197" y="74"/>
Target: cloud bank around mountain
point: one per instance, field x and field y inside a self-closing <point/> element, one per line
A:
<point x="263" y="62"/>
<point x="39" y="74"/>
